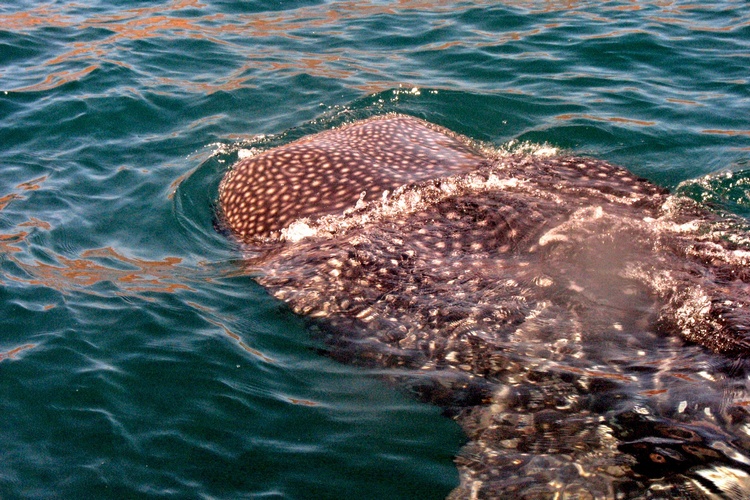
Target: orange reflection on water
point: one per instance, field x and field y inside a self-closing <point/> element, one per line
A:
<point x="627" y="8"/>
<point x="30" y="185"/>
<point x="58" y="78"/>
<point x="34" y="18"/>
<point x="166" y="22"/>
<point x="92" y="267"/>
<point x="34" y="222"/>
<point x="8" y="241"/>
<point x="79" y="49"/>
<point x="683" y="101"/>
<point x="149" y="27"/>
<point x="5" y="200"/>
<point x="613" y="119"/>
<point x="33" y="184"/>
<point x="303" y="402"/>
<point x="313" y="64"/>
<point x="726" y="132"/>
<point x="13" y="352"/>
<point x="162" y="276"/>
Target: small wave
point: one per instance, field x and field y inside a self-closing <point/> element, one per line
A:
<point x="728" y="190"/>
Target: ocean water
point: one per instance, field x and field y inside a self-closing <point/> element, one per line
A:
<point x="138" y="360"/>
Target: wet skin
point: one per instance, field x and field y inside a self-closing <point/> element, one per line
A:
<point x="587" y="329"/>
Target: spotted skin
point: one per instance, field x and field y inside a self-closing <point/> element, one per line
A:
<point x="586" y="329"/>
<point x="263" y="194"/>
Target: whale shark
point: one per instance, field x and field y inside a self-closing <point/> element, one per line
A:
<point x="587" y="329"/>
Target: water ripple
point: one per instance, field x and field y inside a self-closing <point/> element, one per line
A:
<point x="137" y="359"/>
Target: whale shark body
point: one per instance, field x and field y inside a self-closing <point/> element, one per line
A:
<point x="587" y="329"/>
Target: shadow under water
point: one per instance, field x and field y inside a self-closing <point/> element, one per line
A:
<point x="587" y="329"/>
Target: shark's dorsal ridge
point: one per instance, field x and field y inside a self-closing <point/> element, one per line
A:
<point x="327" y="172"/>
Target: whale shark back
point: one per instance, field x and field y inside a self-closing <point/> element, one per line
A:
<point x="329" y="172"/>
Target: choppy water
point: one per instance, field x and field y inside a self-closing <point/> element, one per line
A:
<point x="136" y="358"/>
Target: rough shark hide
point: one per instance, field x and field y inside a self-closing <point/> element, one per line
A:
<point x="587" y="330"/>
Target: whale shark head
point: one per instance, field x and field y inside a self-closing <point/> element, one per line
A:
<point x="330" y="171"/>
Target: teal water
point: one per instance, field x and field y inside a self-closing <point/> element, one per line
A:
<point x="136" y="358"/>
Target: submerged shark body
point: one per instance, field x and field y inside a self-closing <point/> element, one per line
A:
<point x="586" y="329"/>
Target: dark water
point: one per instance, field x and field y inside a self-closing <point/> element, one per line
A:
<point x="137" y="360"/>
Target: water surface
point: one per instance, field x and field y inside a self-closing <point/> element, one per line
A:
<point x="137" y="359"/>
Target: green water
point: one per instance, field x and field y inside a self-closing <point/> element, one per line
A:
<point x="136" y="359"/>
